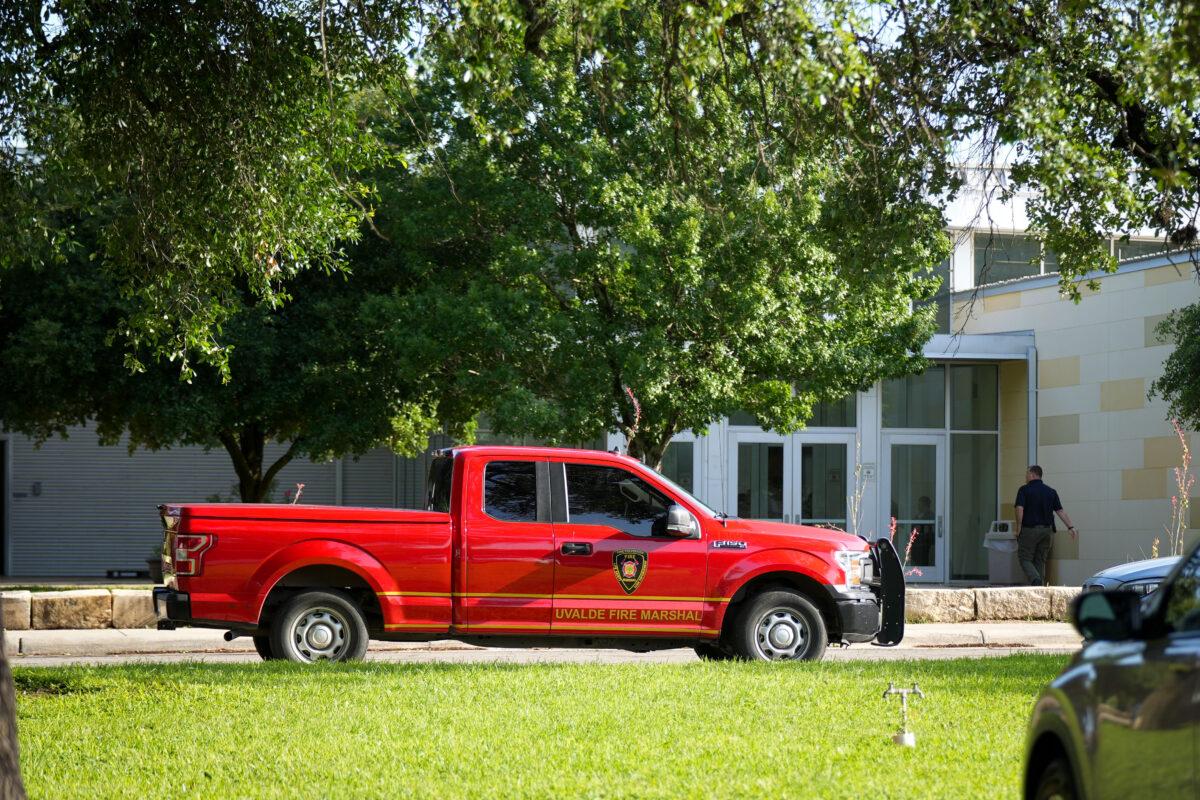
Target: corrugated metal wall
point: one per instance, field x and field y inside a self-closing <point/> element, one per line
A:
<point x="79" y="509"/>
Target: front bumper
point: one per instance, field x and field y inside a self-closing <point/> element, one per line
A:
<point x="172" y="607"/>
<point x="860" y="617"/>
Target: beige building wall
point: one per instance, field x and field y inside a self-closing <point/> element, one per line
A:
<point x="1106" y="447"/>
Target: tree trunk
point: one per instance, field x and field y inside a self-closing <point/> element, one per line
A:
<point x="10" y="768"/>
<point x="246" y="448"/>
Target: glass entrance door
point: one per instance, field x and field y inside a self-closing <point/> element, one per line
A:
<point x="760" y="472"/>
<point x="802" y="478"/>
<point x="914" y="488"/>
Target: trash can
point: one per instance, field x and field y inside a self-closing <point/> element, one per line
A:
<point x="1001" y="544"/>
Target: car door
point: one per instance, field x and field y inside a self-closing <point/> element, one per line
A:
<point x="616" y="570"/>
<point x="508" y="542"/>
<point x="1147" y="695"/>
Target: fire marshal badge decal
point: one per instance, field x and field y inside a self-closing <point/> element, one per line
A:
<point x="630" y="568"/>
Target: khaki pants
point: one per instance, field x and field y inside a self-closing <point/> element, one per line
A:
<point x="1033" y="548"/>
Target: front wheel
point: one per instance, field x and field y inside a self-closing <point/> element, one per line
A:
<point x="1055" y="782"/>
<point x="319" y="626"/>
<point x="780" y="626"/>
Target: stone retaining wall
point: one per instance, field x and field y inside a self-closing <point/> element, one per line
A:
<point x="993" y="603"/>
<point x="134" y="608"/>
<point x="77" y="609"/>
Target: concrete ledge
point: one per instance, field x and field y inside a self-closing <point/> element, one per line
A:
<point x="79" y="609"/>
<point x="1045" y="603"/>
<point x="939" y="605"/>
<point x="15" y="610"/>
<point x="133" y="608"/>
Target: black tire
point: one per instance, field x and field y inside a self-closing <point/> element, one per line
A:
<point x="761" y="630"/>
<point x="709" y="651"/>
<point x="262" y="644"/>
<point x="319" y="626"/>
<point x="1056" y="782"/>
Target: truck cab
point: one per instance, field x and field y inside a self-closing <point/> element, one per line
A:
<point x="528" y="545"/>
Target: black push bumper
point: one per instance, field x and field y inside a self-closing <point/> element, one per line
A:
<point x="888" y="587"/>
<point x="172" y="608"/>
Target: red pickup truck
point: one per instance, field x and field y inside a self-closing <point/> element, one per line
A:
<point x="524" y="546"/>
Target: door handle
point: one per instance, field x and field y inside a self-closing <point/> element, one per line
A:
<point x="576" y="549"/>
<point x="939" y="526"/>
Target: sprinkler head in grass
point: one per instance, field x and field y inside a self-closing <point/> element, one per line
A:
<point x="904" y="737"/>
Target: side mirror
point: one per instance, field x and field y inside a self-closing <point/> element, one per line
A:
<point x="680" y="522"/>
<point x="1107" y="616"/>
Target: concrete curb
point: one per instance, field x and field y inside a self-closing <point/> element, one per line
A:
<point x="94" y="609"/>
<point x="77" y="609"/>
<point x="200" y="641"/>
<point x="1045" y="603"/>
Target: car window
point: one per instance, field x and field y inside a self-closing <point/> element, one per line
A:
<point x="615" y="497"/>
<point x="510" y="491"/>
<point x="1183" y="603"/>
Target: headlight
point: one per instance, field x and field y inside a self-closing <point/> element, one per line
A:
<point x="1144" y="587"/>
<point x="852" y="564"/>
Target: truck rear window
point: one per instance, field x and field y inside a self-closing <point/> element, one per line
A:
<point x="441" y="473"/>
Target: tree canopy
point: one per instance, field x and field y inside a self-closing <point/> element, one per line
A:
<point x="305" y="374"/>
<point x="617" y="254"/>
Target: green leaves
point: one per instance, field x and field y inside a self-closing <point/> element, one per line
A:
<point x="674" y="233"/>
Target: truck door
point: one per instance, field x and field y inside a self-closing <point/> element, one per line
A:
<point x="508" y="542"/>
<point x="616" y="571"/>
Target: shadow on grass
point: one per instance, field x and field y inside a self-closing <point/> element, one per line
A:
<point x="998" y="673"/>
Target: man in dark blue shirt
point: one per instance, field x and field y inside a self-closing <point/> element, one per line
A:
<point x="1036" y="506"/>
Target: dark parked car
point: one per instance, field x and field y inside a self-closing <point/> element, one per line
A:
<point x="1123" y="719"/>
<point x="1142" y="577"/>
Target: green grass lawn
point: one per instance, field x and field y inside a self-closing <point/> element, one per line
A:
<point x="446" y="731"/>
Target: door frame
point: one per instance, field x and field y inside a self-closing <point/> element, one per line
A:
<point x="759" y="436"/>
<point x="793" y="444"/>
<point x="799" y="440"/>
<point x="937" y="573"/>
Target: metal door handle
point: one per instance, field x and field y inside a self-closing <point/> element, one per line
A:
<point x="939" y="526"/>
<point x="576" y="549"/>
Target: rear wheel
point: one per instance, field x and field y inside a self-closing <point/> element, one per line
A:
<point x="780" y="626"/>
<point x="1056" y="782"/>
<point x="711" y="652"/>
<point x="319" y="626"/>
<point x="262" y="644"/>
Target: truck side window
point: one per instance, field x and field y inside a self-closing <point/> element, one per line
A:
<point x="616" y="498"/>
<point x="510" y="491"/>
<point x="441" y="473"/>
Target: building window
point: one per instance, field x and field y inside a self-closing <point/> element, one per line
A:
<point x="973" y="501"/>
<point x="941" y="300"/>
<point x="829" y="414"/>
<point x="760" y="480"/>
<point x="1136" y="248"/>
<point x="678" y="464"/>
<point x="1003" y="257"/>
<point x="973" y="397"/>
<point x="916" y="401"/>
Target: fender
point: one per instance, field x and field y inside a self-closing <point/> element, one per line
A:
<point x="762" y="562"/>
<point x="319" y="552"/>
<point x="1053" y="714"/>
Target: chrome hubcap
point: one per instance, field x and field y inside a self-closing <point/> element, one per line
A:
<point x="319" y="633"/>
<point x="781" y="634"/>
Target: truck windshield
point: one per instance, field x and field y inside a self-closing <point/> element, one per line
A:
<point x="441" y="472"/>
<point x="682" y="491"/>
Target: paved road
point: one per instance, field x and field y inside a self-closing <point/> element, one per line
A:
<point x="929" y="641"/>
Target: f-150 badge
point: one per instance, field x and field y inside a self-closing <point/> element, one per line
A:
<point x="630" y="568"/>
<point x="728" y="544"/>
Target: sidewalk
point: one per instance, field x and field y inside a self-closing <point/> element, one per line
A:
<point x="110" y="642"/>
